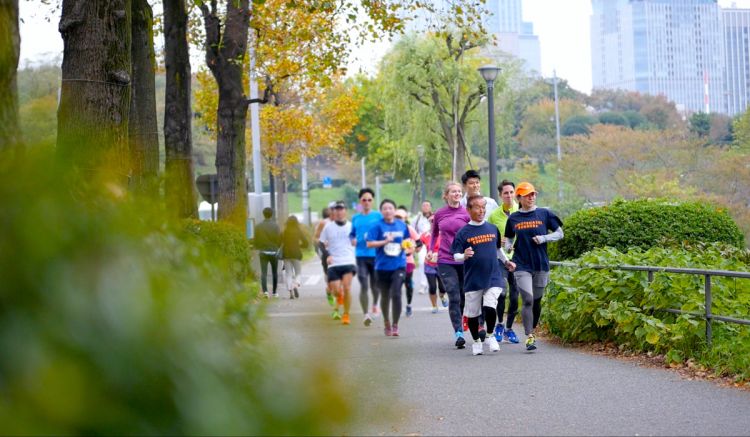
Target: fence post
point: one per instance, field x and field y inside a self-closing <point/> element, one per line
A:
<point x="707" y="287"/>
<point x="650" y="276"/>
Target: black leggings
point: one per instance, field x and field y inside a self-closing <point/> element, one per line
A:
<point x="365" y="273"/>
<point x="489" y="315"/>
<point x="264" y="261"/>
<point x="434" y="282"/>
<point x="453" y="280"/>
<point x="512" y="293"/>
<point x="409" y="287"/>
<point x="390" y="282"/>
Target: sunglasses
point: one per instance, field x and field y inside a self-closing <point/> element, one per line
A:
<point x="364" y="199"/>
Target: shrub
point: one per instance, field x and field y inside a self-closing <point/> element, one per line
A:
<point x="587" y="305"/>
<point x="226" y="243"/>
<point x="644" y="224"/>
<point x="111" y="322"/>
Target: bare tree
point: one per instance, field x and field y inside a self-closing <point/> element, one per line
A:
<point x="94" y="109"/>
<point x="9" y="49"/>
<point x="226" y="44"/>
<point x="180" y="189"/>
<point x="143" y="135"/>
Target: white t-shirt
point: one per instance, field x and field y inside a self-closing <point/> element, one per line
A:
<point x="490" y="206"/>
<point x="339" y="245"/>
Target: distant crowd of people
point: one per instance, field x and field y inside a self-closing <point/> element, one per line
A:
<point x="471" y="256"/>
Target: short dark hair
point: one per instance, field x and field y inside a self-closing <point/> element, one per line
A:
<point x="267" y="212"/>
<point x="504" y="183"/>
<point x="471" y="199"/>
<point x="387" y="201"/>
<point x="468" y="175"/>
<point x="326" y="213"/>
<point x="365" y="190"/>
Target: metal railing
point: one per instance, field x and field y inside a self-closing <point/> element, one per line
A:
<point x="708" y="316"/>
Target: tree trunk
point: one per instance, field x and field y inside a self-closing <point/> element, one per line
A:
<point x="92" y="118"/>
<point x="283" y="200"/>
<point x="9" y="49"/>
<point x="226" y="47"/>
<point x="143" y="130"/>
<point x="179" y="188"/>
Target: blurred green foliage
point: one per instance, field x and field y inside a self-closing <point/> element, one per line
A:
<point x="644" y="224"/>
<point x="610" y="305"/>
<point x="114" y="320"/>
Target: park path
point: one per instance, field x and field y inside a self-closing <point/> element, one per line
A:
<point x="419" y="384"/>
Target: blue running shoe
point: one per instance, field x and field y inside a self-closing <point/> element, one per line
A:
<point x="510" y="336"/>
<point x="499" y="333"/>
<point x="408" y="311"/>
<point x="460" y="341"/>
<point x="444" y="300"/>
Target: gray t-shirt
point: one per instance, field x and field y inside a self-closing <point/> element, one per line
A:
<point x="336" y="238"/>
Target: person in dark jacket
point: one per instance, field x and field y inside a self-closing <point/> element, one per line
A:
<point x="293" y="240"/>
<point x="267" y="242"/>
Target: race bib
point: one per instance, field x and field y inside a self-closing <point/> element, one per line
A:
<point x="392" y="249"/>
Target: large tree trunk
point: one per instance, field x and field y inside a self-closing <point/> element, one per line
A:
<point x="143" y="127"/>
<point x="179" y="190"/>
<point x="92" y="119"/>
<point x="226" y="47"/>
<point x="9" y="49"/>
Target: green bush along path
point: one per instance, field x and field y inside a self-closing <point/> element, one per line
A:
<point x="419" y="384"/>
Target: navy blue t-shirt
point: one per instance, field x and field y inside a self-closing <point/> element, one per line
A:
<point x="386" y="260"/>
<point x="523" y="226"/>
<point x="482" y="270"/>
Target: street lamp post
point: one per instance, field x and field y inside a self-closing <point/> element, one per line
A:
<point x="489" y="74"/>
<point x="420" y="151"/>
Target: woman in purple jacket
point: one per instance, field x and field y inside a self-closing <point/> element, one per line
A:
<point x="446" y="223"/>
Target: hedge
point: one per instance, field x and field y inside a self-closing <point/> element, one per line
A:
<point x="644" y="224"/>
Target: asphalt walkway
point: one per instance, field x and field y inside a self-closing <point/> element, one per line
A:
<point x="419" y="384"/>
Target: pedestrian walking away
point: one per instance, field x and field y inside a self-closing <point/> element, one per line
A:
<point x="341" y="259"/>
<point x="507" y="190"/>
<point x="322" y="251"/>
<point x="446" y="223"/>
<point x="387" y="237"/>
<point x="361" y="224"/>
<point x="478" y="245"/>
<point x="528" y="231"/>
<point x="268" y="241"/>
<point x="293" y="240"/>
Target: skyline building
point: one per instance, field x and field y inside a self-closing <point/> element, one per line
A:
<point x="736" y="23"/>
<point x="673" y="48"/>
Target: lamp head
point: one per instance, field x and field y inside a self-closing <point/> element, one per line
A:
<point x="489" y="72"/>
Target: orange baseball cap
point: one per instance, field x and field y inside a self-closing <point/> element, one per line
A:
<point x="524" y="189"/>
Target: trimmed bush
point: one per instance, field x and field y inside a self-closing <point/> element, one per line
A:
<point x="644" y="224"/>
<point x="226" y="243"/>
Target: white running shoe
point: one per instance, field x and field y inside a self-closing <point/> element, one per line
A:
<point x="494" y="346"/>
<point x="477" y="348"/>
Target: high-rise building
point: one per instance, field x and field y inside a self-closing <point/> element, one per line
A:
<point x="736" y="23"/>
<point x="673" y="48"/>
<point x="504" y="20"/>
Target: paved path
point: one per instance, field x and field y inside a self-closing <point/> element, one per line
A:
<point x="419" y="384"/>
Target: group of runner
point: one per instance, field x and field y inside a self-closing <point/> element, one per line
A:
<point x="476" y="253"/>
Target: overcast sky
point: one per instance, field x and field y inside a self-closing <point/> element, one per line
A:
<point x="562" y="27"/>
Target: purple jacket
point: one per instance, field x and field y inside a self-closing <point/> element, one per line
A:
<point x="446" y="223"/>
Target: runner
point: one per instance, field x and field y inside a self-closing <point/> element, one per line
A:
<point x="320" y="249"/>
<point x="422" y="223"/>
<point x="476" y="245"/>
<point x="447" y="221"/>
<point x="499" y="217"/>
<point x="528" y="232"/>
<point x="473" y="187"/>
<point x="430" y="269"/>
<point x="361" y="223"/>
<point x="387" y="236"/>
<point x="341" y="259"/>
<point x="412" y="245"/>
